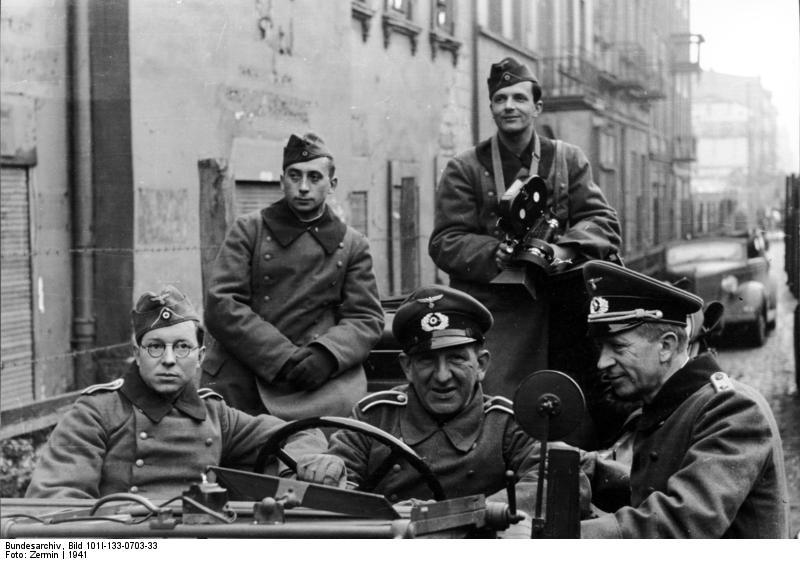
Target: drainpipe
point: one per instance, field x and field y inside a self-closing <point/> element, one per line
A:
<point x="80" y="130"/>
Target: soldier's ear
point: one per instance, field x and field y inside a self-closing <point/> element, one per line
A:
<point x="484" y="358"/>
<point x="405" y="365"/>
<point x="134" y="350"/>
<point x="668" y="346"/>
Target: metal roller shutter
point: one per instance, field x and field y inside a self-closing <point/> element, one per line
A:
<point x="16" y="314"/>
<point x="255" y="195"/>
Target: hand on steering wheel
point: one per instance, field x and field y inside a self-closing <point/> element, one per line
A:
<point x="398" y="450"/>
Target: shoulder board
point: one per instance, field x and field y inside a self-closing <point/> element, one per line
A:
<point x="111" y="386"/>
<point x="205" y="393"/>
<point x="721" y="382"/>
<point x="388" y="397"/>
<point x="498" y="403"/>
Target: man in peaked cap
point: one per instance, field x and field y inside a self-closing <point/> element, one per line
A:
<point x="468" y="244"/>
<point x="292" y="302"/>
<point x="469" y="439"/>
<point x="152" y="432"/>
<point x="707" y="457"/>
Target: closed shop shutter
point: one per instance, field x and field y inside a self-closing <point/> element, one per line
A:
<point x="255" y="195"/>
<point x="16" y="370"/>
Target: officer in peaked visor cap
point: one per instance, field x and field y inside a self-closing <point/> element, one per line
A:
<point x="707" y="456"/>
<point x="469" y="439"/>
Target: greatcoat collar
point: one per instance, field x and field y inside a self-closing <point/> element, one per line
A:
<point x="686" y="381"/>
<point x="328" y="230"/>
<point x="154" y="405"/>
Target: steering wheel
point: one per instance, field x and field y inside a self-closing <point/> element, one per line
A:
<point x="398" y="450"/>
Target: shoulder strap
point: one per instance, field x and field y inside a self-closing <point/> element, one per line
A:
<point x="111" y="386"/>
<point x="721" y="382"/>
<point x="205" y="393"/>
<point x="388" y="397"/>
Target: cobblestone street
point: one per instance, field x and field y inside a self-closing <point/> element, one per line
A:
<point x="771" y="370"/>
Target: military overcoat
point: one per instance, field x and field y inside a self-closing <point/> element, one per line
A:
<point x="469" y="454"/>
<point x="466" y="236"/>
<point x="121" y="437"/>
<point x="277" y="284"/>
<point x="707" y="463"/>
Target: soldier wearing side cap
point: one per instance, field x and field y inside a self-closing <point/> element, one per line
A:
<point x="469" y="439"/>
<point x="707" y="456"/>
<point x="292" y="302"/>
<point x="468" y="244"/>
<point x="153" y="432"/>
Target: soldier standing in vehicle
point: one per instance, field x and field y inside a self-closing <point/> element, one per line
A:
<point x="468" y="245"/>
<point x="292" y="302"/>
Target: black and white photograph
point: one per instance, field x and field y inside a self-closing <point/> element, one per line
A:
<point x="398" y="269"/>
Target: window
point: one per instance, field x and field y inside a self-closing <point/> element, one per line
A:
<point x="397" y="18"/>
<point x="443" y="16"/>
<point x="399" y="8"/>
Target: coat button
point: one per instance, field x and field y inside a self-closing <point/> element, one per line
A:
<point x="396" y="468"/>
<point x="268" y="238"/>
<point x="143" y="435"/>
<point x="393" y="498"/>
<point x="267" y="256"/>
<point x="339" y="263"/>
<point x="266" y="298"/>
<point x="333" y="283"/>
<point x="316" y="229"/>
<point x="134" y="489"/>
<point x="486" y="173"/>
<point x="654" y="456"/>
<point x="341" y="244"/>
<point x="139" y="462"/>
<point x="470" y="473"/>
<point x="491" y="193"/>
<point x="267" y="278"/>
<point x="474" y="445"/>
<point x="209" y="441"/>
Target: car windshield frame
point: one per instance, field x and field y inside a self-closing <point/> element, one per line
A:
<point x="730" y="250"/>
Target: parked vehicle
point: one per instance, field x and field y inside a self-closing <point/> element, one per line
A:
<point x="734" y="270"/>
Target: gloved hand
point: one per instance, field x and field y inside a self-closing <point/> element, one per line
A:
<point x="315" y="364"/>
<point x="322" y="468"/>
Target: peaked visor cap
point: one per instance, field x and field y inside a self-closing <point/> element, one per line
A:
<point x="436" y="317"/>
<point x="622" y="299"/>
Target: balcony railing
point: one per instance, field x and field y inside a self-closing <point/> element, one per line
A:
<point x="569" y="79"/>
<point x="629" y="68"/>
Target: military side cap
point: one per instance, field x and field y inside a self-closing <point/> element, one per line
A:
<point x="435" y="317"/>
<point x="154" y="311"/>
<point x="309" y="147"/>
<point x="623" y="299"/>
<point x="508" y="72"/>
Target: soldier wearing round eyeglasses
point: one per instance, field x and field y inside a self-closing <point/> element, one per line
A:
<point x="153" y="432"/>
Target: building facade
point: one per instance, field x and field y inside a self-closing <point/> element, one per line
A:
<point x="109" y="106"/>
<point x="736" y="180"/>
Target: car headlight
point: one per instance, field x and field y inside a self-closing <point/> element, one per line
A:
<point x="729" y="284"/>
